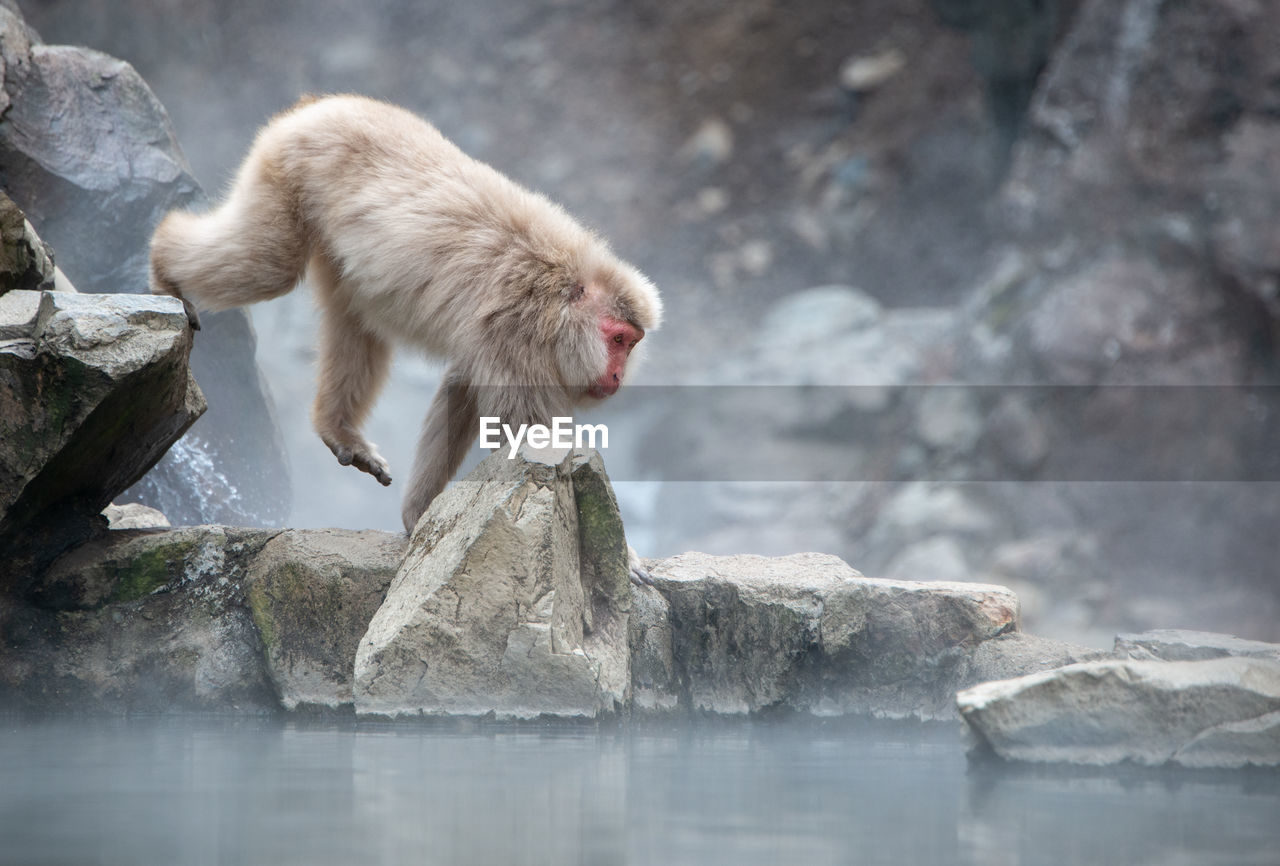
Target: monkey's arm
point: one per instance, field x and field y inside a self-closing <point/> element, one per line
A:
<point x="450" y="427"/>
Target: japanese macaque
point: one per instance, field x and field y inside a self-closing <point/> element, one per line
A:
<point x="406" y="238"/>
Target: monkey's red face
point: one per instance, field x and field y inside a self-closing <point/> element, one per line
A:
<point x="619" y="339"/>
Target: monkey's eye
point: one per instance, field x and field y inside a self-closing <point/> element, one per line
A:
<point x="618" y="339"/>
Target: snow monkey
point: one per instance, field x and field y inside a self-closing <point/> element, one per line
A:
<point x="406" y="238"/>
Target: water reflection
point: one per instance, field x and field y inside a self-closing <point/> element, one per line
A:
<point x="216" y="791"/>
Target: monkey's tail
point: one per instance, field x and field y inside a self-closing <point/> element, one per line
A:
<point x="249" y="249"/>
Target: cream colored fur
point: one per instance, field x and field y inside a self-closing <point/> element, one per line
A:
<point x="406" y="238"/>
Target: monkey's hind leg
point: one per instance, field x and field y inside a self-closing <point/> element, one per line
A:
<point x="447" y="434"/>
<point x="250" y="248"/>
<point x="352" y="369"/>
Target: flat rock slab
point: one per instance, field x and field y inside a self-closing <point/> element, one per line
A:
<point x="1180" y="645"/>
<point x="196" y="618"/>
<point x="93" y="391"/>
<point x="1222" y="712"/>
<point x="808" y="633"/>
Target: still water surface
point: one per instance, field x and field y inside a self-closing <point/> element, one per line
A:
<point x="218" y="791"/>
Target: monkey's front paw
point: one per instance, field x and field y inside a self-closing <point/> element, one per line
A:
<point x="366" y="458"/>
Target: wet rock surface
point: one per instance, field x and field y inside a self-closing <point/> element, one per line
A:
<point x="808" y="633"/>
<point x="159" y="624"/>
<point x="1222" y="712"/>
<point x="93" y="391"/>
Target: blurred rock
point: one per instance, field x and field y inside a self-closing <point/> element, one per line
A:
<point x="93" y="390"/>
<point x="1216" y="713"/>
<point x="133" y="515"/>
<point x="1134" y="247"/>
<point x="1011" y="42"/>
<point x="1018" y="434"/>
<point x="948" y="419"/>
<point x="710" y="146"/>
<point x="807" y="633"/>
<point x="1246" y="239"/>
<point x="818" y="315"/>
<point x="88" y="152"/>
<point x="866" y="73"/>
<point x="1180" y="645"/>
<point x="26" y="262"/>
<point x="150" y="622"/>
<point x="1129" y="320"/>
<point x="939" y="557"/>
<point x="491" y="611"/>
<point x="312" y="594"/>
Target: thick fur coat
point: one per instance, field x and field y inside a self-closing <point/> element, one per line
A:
<point x="407" y="239"/>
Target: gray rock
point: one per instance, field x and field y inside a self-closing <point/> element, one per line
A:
<point x="160" y="624"/>
<point x="1218" y="712"/>
<point x="806" y="632"/>
<point x="1126" y="319"/>
<point x="312" y="594"/>
<point x="1179" y="645"/>
<point x="204" y="617"/>
<point x="948" y="419"/>
<point x="1235" y="744"/>
<point x="88" y="152"/>
<point x="816" y="316"/>
<point x="93" y="390"/>
<point x="938" y="557"/>
<point x="491" y="611"/>
<point x="655" y="685"/>
<point x="1019" y="654"/>
<point x="1245" y="239"/>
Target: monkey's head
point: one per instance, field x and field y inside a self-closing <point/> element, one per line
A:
<point x="607" y="310"/>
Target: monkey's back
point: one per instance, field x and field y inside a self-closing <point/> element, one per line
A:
<point x="427" y="241"/>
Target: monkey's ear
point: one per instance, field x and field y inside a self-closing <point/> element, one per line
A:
<point x="576" y="291"/>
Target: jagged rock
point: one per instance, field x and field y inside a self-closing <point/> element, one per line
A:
<point x="1214" y="713"/>
<point x="93" y="390"/>
<point x="491" y="611"/>
<point x="150" y="622"/>
<point x="88" y="152"/>
<point x="1180" y="645"/>
<point x="312" y="594"/>
<point x="806" y="632"/>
